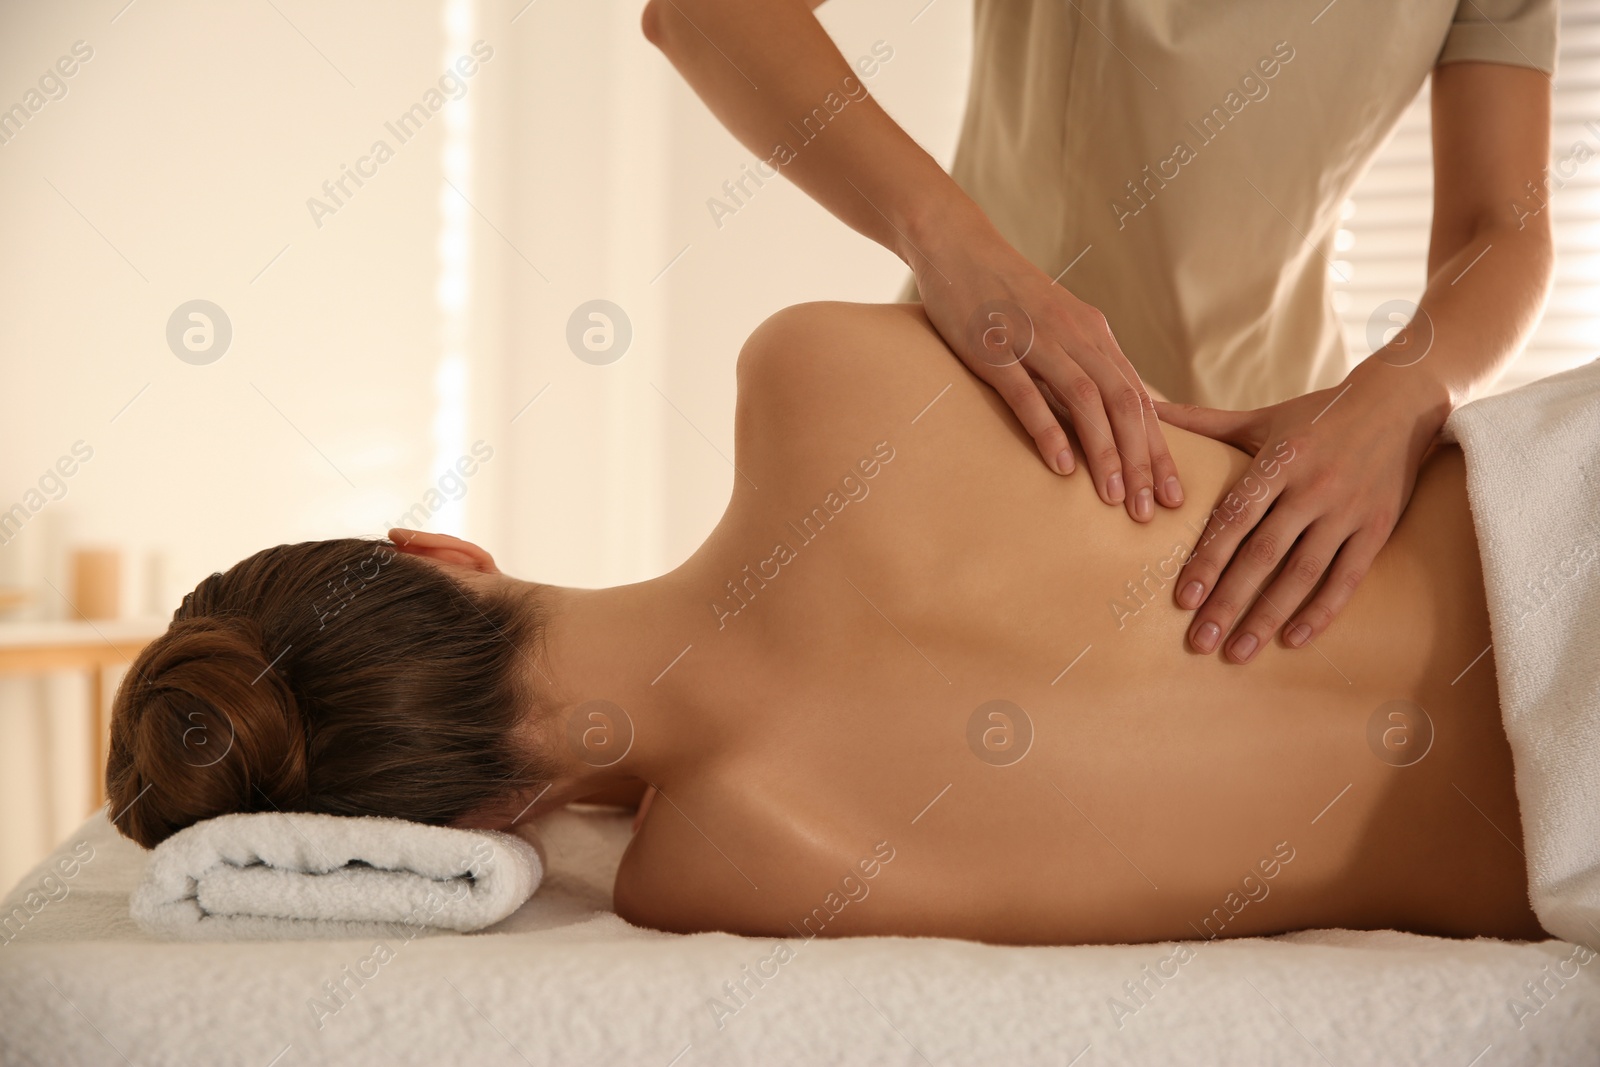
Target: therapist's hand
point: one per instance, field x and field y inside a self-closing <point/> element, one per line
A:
<point x="1027" y="337"/>
<point x="1333" y="472"/>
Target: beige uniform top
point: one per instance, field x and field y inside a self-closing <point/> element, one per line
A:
<point x="1200" y="153"/>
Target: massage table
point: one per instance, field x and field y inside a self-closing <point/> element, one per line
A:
<point x="565" y="981"/>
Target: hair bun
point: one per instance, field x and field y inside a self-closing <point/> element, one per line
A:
<point x="204" y="725"/>
<point x="340" y="677"/>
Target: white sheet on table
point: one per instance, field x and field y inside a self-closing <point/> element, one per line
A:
<point x="565" y="981"/>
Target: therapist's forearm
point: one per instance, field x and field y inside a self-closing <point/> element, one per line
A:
<point x="1486" y="299"/>
<point x="1483" y="299"/>
<point x="1490" y="254"/>
<point x="763" y="67"/>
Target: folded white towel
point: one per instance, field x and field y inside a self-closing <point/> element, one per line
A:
<point x="295" y="875"/>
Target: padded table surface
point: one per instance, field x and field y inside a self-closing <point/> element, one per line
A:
<point x="565" y="981"/>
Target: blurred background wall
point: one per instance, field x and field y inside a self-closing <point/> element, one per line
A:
<point x="382" y="330"/>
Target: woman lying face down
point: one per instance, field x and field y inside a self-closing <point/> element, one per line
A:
<point x="912" y="683"/>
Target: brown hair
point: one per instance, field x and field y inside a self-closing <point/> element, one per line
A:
<point x="330" y="676"/>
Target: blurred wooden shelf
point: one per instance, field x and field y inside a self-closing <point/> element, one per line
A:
<point x="93" y="647"/>
<point x="34" y="646"/>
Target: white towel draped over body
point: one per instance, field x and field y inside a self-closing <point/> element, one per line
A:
<point x="1533" y="481"/>
<point x="297" y="875"/>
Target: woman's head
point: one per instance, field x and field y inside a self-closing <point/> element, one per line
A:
<point x="343" y="677"/>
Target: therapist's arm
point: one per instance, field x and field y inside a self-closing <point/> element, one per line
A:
<point x="1336" y="469"/>
<point x="764" y="66"/>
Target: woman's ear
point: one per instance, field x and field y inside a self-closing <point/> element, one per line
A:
<point x="442" y="548"/>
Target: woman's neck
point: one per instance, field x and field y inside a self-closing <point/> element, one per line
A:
<point x="604" y="682"/>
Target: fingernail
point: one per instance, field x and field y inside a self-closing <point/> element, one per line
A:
<point x="1174" y="490"/>
<point x="1244" y="648"/>
<point x="1205" y="638"/>
<point x="1297" y="634"/>
<point x="1114" y="487"/>
<point x="1190" y="597"/>
<point x="1142" y="504"/>
<point x="1064" y="462"/>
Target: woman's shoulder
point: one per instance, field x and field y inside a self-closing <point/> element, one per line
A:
<point x="823" y="317"/>
<point x="832" y="328"/>
<point x="818" y="367"/>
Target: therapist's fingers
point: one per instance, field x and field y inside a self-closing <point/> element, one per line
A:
<point x="1130" y="411"/>
<point x="1016" y="387"/>
<point x="1164" y="470"/>
<point x="1239" y="587"/>
<point x="1230" y="521"/>
<point x="1237" y="428"/>
<point x="1001" y="336"/>
<point x="1349" y="568"/>
<point x="1147" y="462"/>
<point x="1080" y="397"/>
<point x="1107" y="386"/>
<point x="1301" y="573"/>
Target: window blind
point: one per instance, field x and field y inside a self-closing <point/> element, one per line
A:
<point x="1381" y="248"/>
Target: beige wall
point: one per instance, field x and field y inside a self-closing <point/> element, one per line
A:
<point x="370" y="351"/>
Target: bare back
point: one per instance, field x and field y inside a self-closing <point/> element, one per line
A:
<point x="943" y="691"/>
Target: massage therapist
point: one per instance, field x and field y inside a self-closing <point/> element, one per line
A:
<point x="1148" y="193"/>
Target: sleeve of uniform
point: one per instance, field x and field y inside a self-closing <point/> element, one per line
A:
<point x="1518" y="33"/>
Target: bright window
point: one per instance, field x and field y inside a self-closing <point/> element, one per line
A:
<point x="1382" y="249"/>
